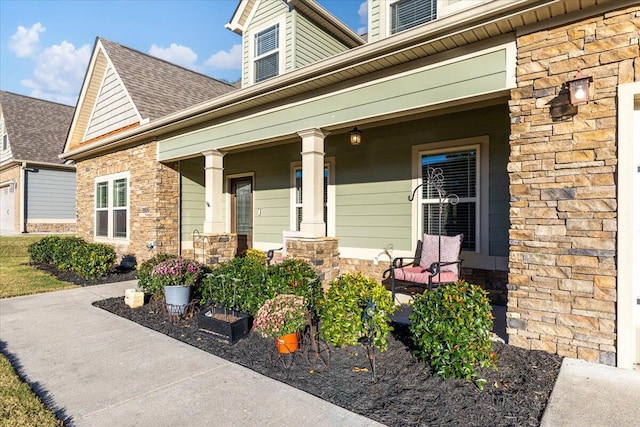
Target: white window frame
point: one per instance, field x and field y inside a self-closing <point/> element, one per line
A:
<point x="280" y="50"/>
<point x="480" y="257"/>
<point x="110" y="179"/>
<point x="442" y="9"/>
<point x="329" y="164"/>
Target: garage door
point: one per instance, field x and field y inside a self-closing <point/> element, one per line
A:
<point x="7" y="210"/>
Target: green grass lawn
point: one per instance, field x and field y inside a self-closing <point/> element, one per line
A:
<point x="16" y="276"/>
<point x="19" y="405"/>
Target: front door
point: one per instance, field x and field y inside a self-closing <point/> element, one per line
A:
<point x="241" y="212"/>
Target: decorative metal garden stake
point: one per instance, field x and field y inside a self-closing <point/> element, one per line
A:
<point x="436" y="180"/>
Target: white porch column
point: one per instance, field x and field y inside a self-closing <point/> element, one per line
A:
<point x="213" y="182"/>
<point x="312" y="183"/>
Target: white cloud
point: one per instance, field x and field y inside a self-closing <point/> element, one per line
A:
<point x="176" y="54"/>
<point x="228" y="60"/>
<point x="25" y="41"/>
<point x="59" y="73"/>
<point x="363" y="13"/>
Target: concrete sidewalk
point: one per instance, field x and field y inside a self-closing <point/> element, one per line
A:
<point x="589" y="394"/>
<point x="98" y="369"/>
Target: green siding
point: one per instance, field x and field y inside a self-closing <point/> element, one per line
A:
<point x="312" y="43"/>
<point x="373" y="180"/>
<point x="192" y="201"/>
<point x="468" y="77"/>
<point x="374" y="32"/>
<point x="271" y="168"/>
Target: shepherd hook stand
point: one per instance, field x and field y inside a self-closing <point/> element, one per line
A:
<point x="436" y="180"/>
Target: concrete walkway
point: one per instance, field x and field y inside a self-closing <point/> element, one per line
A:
<point x="98" y="369"/>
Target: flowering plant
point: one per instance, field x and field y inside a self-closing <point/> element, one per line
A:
<point x="177" y="272"/>
<point x="282" y="315"/>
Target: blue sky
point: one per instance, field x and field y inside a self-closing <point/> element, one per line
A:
<point x="45" y="45"/>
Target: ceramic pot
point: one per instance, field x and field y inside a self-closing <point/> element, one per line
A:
<point x="287" y="343"/>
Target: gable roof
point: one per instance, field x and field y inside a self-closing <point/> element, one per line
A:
<point x="37" y="128"/>
<point x="153" y="87"/>
<point x="158" y="87"/>
<point x="311" y="9"/>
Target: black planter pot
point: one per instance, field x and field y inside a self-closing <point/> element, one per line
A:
<point x="211" y="323"/>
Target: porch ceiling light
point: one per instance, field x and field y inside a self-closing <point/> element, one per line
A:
<point x="579" y="88"/>
<point x="355" y="136"/>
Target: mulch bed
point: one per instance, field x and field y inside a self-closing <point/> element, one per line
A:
<point x="404" y="391"/>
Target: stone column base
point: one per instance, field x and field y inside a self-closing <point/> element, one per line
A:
<point x="215" y="248"/>
<point x="321" y="252"/>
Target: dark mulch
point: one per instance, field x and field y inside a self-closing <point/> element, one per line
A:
<point x="404" y="392"/>
<point x="119" y="274"/>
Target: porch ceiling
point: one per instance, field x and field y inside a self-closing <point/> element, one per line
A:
<point x="476" y="24"/>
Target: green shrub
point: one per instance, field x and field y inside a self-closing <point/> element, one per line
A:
<point x="144" y="275"/>
<point x="93" y="260"/>
<point x="451" y="327"/>
<point x="296" y="277"/>
<point x="62" y="255"/>
<point x="41" y="252"/>
<point x="341" y="311"/>
<point x="239" y="283"/>
<point x="257" y="254"/>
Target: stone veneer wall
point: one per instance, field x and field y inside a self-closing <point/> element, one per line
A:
<point x="212" y="249"/>
<point x="562" y="281"/>
<point x="8" y="175"/>
<point x="154" y="200"/>
<point x="64" y="228"/>
<point x="322" y="253"/>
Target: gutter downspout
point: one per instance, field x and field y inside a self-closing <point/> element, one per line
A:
<point x="23" y="198"/>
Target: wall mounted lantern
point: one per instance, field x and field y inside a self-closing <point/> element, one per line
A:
<point x="355" y="136"/>
<point x="579" y="88"/>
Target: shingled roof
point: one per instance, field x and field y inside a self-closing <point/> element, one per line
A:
<point x="158" y="87"/>
<point x="37" y="129"/>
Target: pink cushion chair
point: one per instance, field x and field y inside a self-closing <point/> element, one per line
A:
<point x="437" y="260"/>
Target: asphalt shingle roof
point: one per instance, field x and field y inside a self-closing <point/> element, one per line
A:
<point x="37" y="128"/>
<point x="159" y="88"/>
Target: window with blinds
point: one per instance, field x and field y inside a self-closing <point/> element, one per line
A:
<point x="266" y="53"/>
<point x="460" y="178"/>
<point x="407" y="14"/>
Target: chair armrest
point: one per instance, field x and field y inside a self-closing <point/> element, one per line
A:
<point x="398" y="263"/>
<point x="434" y="268"/>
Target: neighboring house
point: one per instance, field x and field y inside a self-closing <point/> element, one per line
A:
<point x="37" y="190"/>
<point x="547" y="191"/>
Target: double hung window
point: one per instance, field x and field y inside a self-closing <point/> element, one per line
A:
<point x="266" y="53"/>
<point x="328" y="197"/>
<point x="112" y="206"/>
<point x="298" y="205"/>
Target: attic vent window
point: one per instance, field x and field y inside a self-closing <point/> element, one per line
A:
<point x="266" y="54"/>
<point x="407" y="14"/>
<point x="5" y="142"/>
